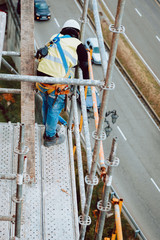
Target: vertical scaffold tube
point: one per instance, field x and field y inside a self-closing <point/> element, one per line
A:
<point x="106" y="191"/>
<point x="118" y="222"/>
<point x="100" y="36"/>
<point x="84" y="19"/>
<point x="86" y="130"/>
<point x="95" y="110"/>
<point x="19" y="183"/>
<point x="79" y="154"/>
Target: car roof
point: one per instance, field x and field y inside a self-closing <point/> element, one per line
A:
<point x="93" y="41"/>
<point x="41" y="1"/>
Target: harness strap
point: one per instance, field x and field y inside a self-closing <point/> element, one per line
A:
<point x="59" y="89"/>
<point x="50" y="88"/>
<point x="56" y="40"/>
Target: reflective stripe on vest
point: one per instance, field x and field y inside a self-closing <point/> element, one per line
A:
<point x="58" y="60"/>
<point x="52" y="64"/>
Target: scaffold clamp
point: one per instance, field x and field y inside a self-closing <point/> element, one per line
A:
<point x="82" y="222"/>
<point x="101" y="138"/>
<point x="115" y="163"/>
<point x="103" y="209"/>
<point x="121" y="29"/>
<point x="15" y="200"/>
<point x="111" y="86"/>
<point x="26" y="178"/>
<point x="83" y="21"/>
<point x="91" y="181"/>
<point x="24" y="152"/>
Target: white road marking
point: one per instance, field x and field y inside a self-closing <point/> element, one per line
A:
<point x="138" y="99"/>
<point x="57" y="22"/>
<point x="138" y="12"/>
<point x="158" y="38"/>
<point x="155" y="184"/>
<point x="122" y="133"/>
<point x="157" y="79"/>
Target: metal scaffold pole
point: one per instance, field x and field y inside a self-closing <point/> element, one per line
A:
<point x="107" y="86"/>
<point x="2" y="32"/>
<point x="84" y="20"/>
<point x="19" y="179"/>
<point x="104" y="205"/>
<point x="99" y="36"/>
<point x="116" y="29"/>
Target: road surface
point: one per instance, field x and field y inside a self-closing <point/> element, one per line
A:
<point x="136" y="179"/>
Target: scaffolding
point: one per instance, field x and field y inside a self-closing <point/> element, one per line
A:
<point x="43" y="157"/>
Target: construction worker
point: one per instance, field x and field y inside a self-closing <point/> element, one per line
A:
<point x="63" y="52"/>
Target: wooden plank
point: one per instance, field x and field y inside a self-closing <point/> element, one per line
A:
<point x="27" y="68"/>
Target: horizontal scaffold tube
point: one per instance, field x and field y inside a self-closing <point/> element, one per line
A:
<point x="10" y="53"/>
<point x="9" y="90"/>
<point x="74" y="81"/>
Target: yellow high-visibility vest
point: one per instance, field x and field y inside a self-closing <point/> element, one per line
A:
<point x="52" y="64"/>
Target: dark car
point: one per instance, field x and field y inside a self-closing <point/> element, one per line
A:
<point x="41" y="10"/>
<point x="89" y="101"/>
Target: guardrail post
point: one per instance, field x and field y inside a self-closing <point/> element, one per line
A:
<point x="22" y="150"/>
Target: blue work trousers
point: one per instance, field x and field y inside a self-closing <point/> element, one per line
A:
<point x="51" y="110"/>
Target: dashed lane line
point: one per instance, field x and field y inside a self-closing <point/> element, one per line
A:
<point x="57" y="22"/>
<point x="122" y="133"/>
<point x="138" y="12"/>
<point x="158" y="38"/>
<point x="155" y="184"/>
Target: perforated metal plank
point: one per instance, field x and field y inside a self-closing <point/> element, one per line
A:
<point x="47" y="207"/>
<point x="32" y="207"/>
<point x="6" y="149"/>
<point x="57" y="192"/>
<point x="31" y="212"/>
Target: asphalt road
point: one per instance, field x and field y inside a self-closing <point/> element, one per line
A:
<point x="136" y="179"/>
<point x="142" y="23"/>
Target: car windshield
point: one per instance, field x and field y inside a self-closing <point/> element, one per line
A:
<point x="96" y="50"/>
<point x="41" y="6"/>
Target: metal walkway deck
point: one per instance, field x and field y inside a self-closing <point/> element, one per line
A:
<point x="49" y="206"/>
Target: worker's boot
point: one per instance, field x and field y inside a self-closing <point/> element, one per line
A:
<point x="55" y="140"/>
<point x="57" y="131"/>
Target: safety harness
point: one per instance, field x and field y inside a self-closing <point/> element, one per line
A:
<point x="58" y="88"/>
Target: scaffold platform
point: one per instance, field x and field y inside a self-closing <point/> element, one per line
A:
<point x="49" y="203"/>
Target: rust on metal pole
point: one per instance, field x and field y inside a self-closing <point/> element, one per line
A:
<point x="27" y="68"/>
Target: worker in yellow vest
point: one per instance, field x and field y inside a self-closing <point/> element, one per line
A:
<point x="63" y="52"/>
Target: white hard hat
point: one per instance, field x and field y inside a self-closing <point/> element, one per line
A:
<point x="71" y="23"/>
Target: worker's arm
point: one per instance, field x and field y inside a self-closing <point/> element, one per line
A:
<point x="83" y="60"/>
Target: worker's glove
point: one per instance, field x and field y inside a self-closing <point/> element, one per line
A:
<point x="42" y="52"/>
